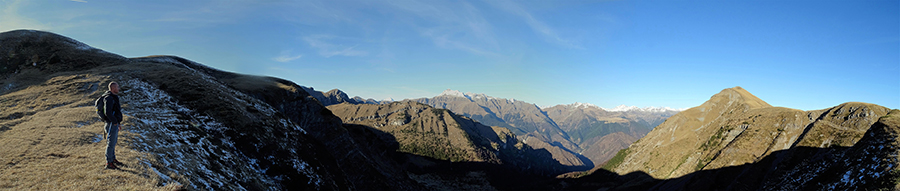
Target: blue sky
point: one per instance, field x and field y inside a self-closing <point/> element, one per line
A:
<point x="798" y="54"/>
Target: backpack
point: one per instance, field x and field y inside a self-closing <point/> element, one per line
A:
<point x="101" y="109"/>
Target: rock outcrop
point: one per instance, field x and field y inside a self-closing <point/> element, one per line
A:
<point x="333" y="96"/>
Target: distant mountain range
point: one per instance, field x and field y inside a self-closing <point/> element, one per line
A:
<point x="624" y="108"/>
<point x="579" y="135"/>
<point x="600" y="133"/>
<point x="437" y="133"/>
<point x="734" y="139"/>
<point x="526" y="120"/>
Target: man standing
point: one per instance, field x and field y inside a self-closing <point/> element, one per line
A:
<point x="113" y="113"/>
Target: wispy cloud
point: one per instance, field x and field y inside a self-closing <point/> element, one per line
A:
<point x="444" y="40"/>
<point x="538" y="26"/>
<point x="329" y="49"/>
<point x="80" y="1"/>
<point x="11" y="20"/>
<point x="313" y="12"/>
<point x="286" y="57"/>
<point x="453" y="25"/>
<point x="199" y="14"/>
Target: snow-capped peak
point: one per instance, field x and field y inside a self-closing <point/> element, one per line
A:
<point x="454" y="93"/>
<point x="467" y="95"/>
<point x="624" y="108"/>
<point x="579" y="105"/>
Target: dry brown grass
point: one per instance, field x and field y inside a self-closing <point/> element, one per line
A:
<point x="50" y="140"/>
<point x="735" y="128"/>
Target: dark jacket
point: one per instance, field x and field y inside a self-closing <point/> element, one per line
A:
<point x="113" y="111"/>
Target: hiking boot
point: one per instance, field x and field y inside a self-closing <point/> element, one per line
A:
<point x="110" y="165"/>
<point x="116" y="162"/>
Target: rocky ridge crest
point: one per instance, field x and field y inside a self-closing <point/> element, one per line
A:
<point x="736" y="140"/>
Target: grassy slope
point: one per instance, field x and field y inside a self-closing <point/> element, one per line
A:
<point x="735" y="128"/>
<point x="869" y="164"/>
<point x="50" y="137"/>
<point x="51" y="140"/>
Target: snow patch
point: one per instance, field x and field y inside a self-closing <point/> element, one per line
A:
<point x="160" y="122"/>
<point x="81" y="46"/>
<point x="180" y="137"/>
<point x="467" y="95"/>
<point x="582" y="105"/>
<point x="97" y="138"/>
<point x="166" y="179"/>
<point x="624" y="108"/>
<point x="453" y="93"/>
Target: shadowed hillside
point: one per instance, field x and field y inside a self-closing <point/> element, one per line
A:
<point x="334" y="96"/>
<point x="360" y="163"/>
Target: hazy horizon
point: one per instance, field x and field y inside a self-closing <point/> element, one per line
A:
<point x="799" y="54"/>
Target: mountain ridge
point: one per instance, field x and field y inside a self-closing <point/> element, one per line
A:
<point x="624" y="108"/>
<point x="441" y="134"/>
<point x="734" y="128"/>
<point x="486" y="109"/>
<point x="552" y="136"/>
<point x="190" y="126"/>
<point x="620" y="108"/>
<point x="526" y="120"/>
<point x="68" y="73"/>
<point x="870" y="164"/>
<point x="228" y="130"/>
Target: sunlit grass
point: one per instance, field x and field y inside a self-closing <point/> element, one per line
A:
<point x="50" y="140"/>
